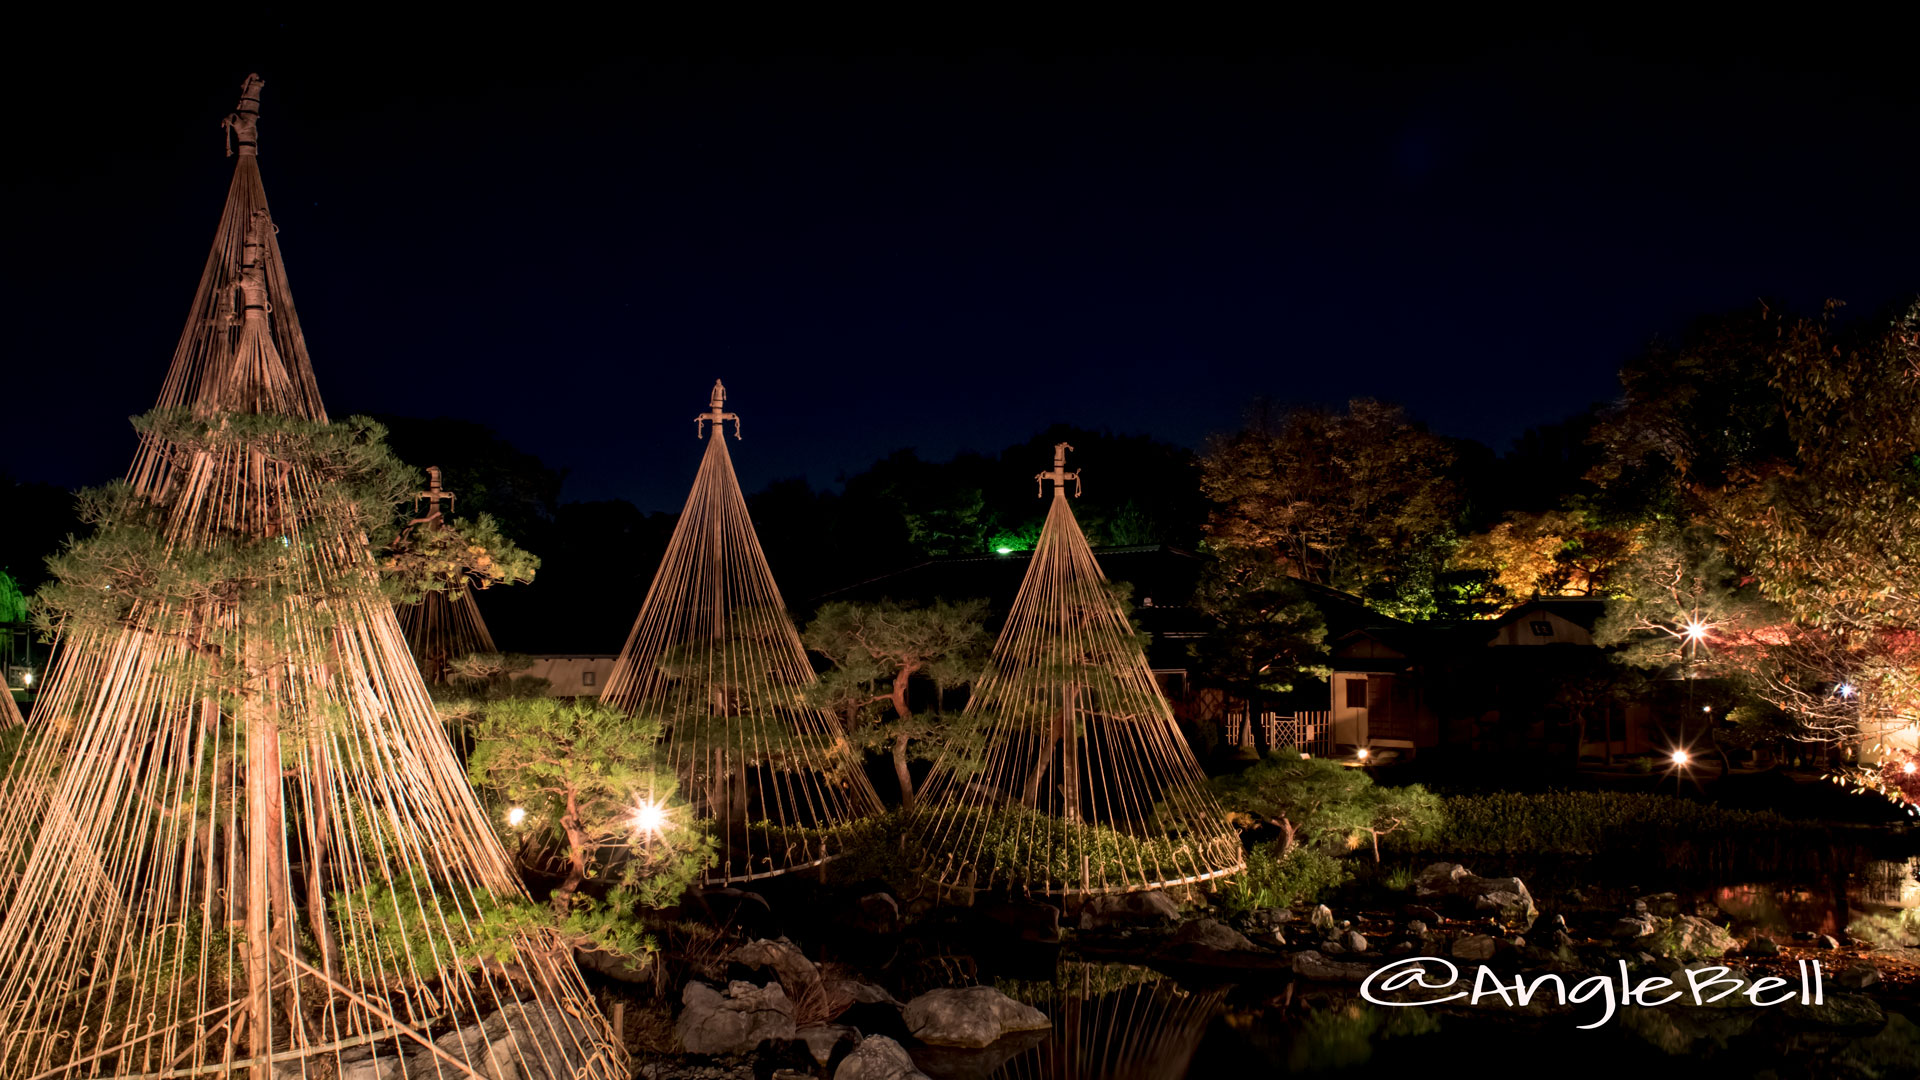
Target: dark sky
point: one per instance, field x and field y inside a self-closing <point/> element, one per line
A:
<point x="944" y="238"/>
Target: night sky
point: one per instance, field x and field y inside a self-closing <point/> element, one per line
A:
<point x="942" y="239"/>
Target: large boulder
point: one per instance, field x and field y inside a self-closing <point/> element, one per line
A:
<point x="845" y="989"/>
<point x="1149" y="907"/>
<point x="736" y="1022"/>
<point x="1313" y="965"/>
<point x="1476" y="947"/>
<point x="877" y="1058"/>
<point x="797" y="975"/>
<point x="1207" y="933"/>
<point x="534" y="1041"/>
<point x="1455" y="887"/>
<point x="1634" y="927"/>
<point x="1687" y="937"/>
<point x="969" y="1016"/>
<point x="1207" y="943"/>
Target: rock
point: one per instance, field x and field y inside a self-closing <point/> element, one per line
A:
<point x="877" y="1058"/>
<point x="879" y="913"/>
<point x="368" y="1067"/>
<point x="1356" y="941"/>
<point x="1556" y="922"/>
<point x="1400" y="948"/>
<point x="520" y="1042"/>
<point x="1762" y="945"/>
<point x="1313" y="965"/>
<point x="1640" y="907"/>
<point x="1152" y="907"/>
<point x="1505" y="899"/>
<point x="1416" y="927"/>
<point x="971" y="1016"/>
<point x="797" y="975"/>
<point x="1322" y="917"/>
<point x="1518" y="942"/>
<point x="1561" y="940"/>
<point x="736" y="1022"/>
<point x="844" y="990"/>
<point x="1264" y="919"/>
<point x="1689" y="937"/>
<point x="1680" y="1030"/>
<point x="822" y="1039"/>
<point x="1475" y="947"/>
<point x="1634" y="926"/>
<point x="1206" y="933"/>
<point x="1274" y="938"/>
<point x="1857" y="977"/>
<point x="1423" y="913"/>
<point x="1847" y="1012"/>
<point x="1825" y="941"/>
<point x="1333" y="948"/>
<point x="1664" y="904"/>
<point x="1438" y="879"/>
<point x="1035" y="921"/>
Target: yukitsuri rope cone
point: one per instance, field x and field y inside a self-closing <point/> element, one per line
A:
<point x="9" y="710"/>
<point x="444" y="624"/>
<point x="1112" y="1022"/>
<point x="714" y="657"/>
<point x="237" y="839"/>
<point x="1066" y="774"/>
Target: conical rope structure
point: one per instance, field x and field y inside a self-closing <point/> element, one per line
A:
<point x="716" y="660"/>
<point x="236" y="837"/>
<point x="9" y="710"/>
<point x="444" y="624"/>
<point x="1066" y="774"/>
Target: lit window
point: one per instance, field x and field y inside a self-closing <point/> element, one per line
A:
<point x="586" y="678"/>
<point x="1542" y="628"/>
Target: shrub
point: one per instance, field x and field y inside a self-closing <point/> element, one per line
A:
<point x="1273" y="880"/>
<point x="1017" y="845"/>
<point x="1687" y="834"/>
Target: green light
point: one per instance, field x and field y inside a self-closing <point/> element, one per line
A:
<point x="1004" y="550"/>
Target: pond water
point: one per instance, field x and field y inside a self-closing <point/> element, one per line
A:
<point x="1134" y="1023"/>
<point x="1131" y="1021"/>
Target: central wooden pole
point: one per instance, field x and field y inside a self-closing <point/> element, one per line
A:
<point x="263" y="797"/>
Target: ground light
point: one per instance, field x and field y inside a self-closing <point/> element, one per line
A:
<point x="1680" y="757"/>
<point x="1004" y="550"/>
<point x="516" y="816"/>
<point x="1361" y="753"/>
<point x="1909" y="768"/>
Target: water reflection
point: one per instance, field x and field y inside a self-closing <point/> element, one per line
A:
<point x="1109" y="1020"/>
<point x="1881" y="902"/>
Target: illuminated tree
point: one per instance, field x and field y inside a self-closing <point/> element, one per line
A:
<point x="1359" y="500"/>
<point x="1793" y="443"/>
<point x="877" y="650"/>
<point x="1322" y="802"/>
<point x="595" y="778"/>
<point x="1563" y="552"/>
